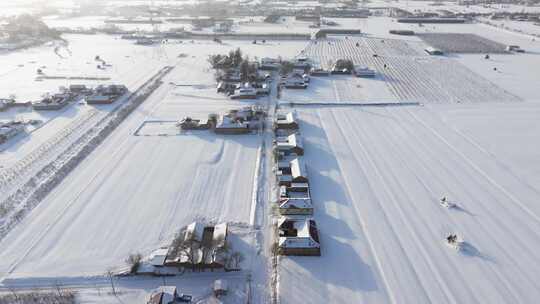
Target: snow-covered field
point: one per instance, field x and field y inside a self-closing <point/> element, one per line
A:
<point x="139" y="190"/>
<point x="411" y="75"/>
<point x="377" y="174"/>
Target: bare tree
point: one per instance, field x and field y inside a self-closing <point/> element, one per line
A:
<point x="236" y="258"/>
<point x="186" y="245"/>
<point x="110" y="274"/>
<point x="134" y="261"/>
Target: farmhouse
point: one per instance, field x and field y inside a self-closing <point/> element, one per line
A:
<point x="10" y="130"/>
<point x="302" y="63"/>
<point x="106" y="94"/>
<point x="290" y="145"/>
<point x="402" y="32"/>
<point x="78" y="88"/>
<point x="164" y="295"/>
<point x="298" y="237"/>
<point x="295" y="206"/>
<point x="220" y="288"/>
<point x="100" y="99"/>
<point x="227" y="125"/>
<point x="54" y="102"/>
<point x="246" y="91"/>
<point x="5" y="103"/>
<point x="286" y="121"/>
<point x="269" y="64"/>
<point x="189" y="123"/>
<point x="364" y="72"/>
<point x="295" y="81"/>
<point x="318" y="71"/>
<point x="323" y="33"/>
<point x="296" y="190"/>
<point x="298" y="173"/>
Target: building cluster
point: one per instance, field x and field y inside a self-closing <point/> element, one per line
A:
<point x="10" y="129"/>
<point x="102" y="94"/>
<point x="199" y="246"/>
<point x="6" y="103"/>
<point x="248" y="81"/>
<point x="237" y="121"/>
<point x="298" y="77"/>
<point x="298" y="233"/>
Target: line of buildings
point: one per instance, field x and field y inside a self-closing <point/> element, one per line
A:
<point x="298" y="233"/>
<point x="102" y="94"/>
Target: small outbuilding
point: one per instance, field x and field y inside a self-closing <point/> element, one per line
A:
<point x="220" y="288"/>
<point x="164" y="295"/>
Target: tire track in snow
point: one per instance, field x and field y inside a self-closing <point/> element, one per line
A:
<point x="478" y="169"/>
<point x="449" y="219"/>
<point x="487" y="210"/>
<point x="401" y="216"/>
<point x="374" y="253"/>
<point x="56" y="220"/>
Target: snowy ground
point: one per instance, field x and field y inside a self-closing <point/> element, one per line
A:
<point x="377" y="174"/>
<point x="121" y="188"/>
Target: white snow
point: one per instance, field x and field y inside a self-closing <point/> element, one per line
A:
<point x="380" y="154"/>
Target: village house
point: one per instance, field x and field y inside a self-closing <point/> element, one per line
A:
<point x="295" y="81"/>
<point x="164" y="295"/>
<point x="10" y="130"/>
<point x="189" y="123"/>
<point x="295" y="206"/>
<point x="78" y="89"/>
<point x="244" y="91"/>
<point x="53" y="102"/>
<point x="319" y="71"/>
<point x="286" y="121"/>
<point x="5" y="103"/>
<point x="220" y="288"/>
<point x="298" y="173"/>
<point x="364" y="72"/>
<point x="433" y="51"/>
<point x="298" y="237"/>
<point x="289" y="145"/>
<point x="296" y="190"/>
<point x="207" y="242"/>
<point x="168" y="295"/>
<point x="106" y="94"/>
<point x="227" y="125"/>
<point x="269" y="64"/>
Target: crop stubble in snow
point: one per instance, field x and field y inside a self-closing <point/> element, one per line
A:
<point x="410" y="74"/>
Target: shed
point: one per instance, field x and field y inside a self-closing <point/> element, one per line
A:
<point x="220" y="288"/>
<point x="157" y="257"/>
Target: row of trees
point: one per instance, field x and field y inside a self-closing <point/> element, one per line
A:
<point x="234" y="60"/>
<point x="24" y="26"/>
